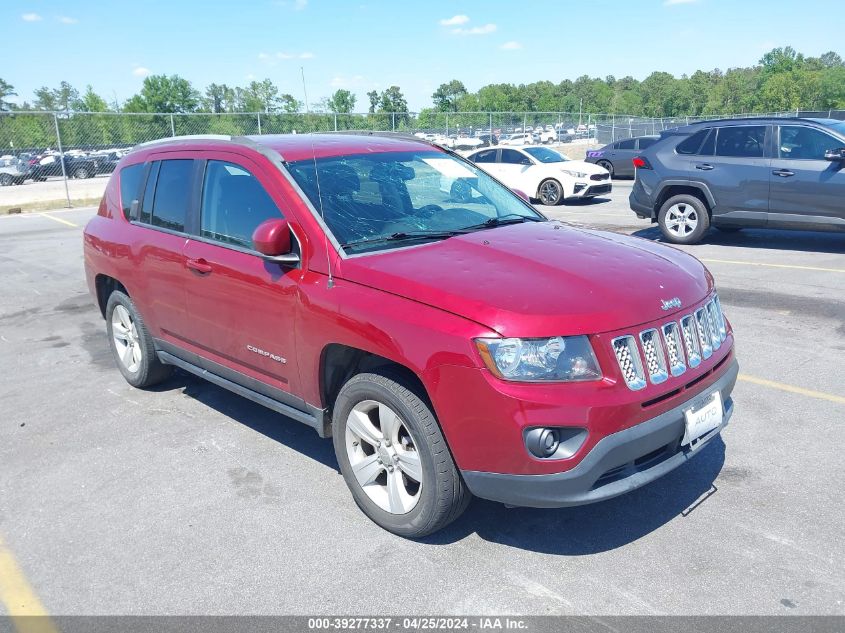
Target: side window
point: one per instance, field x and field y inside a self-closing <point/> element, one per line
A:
<point x="172" y="194"/>
<point x="130" y="183"/>
<point x="487" y="156"/>
<point x="691" y="144"/>
<point x="627" y="144"/>
<point x="742" y="141"/>
<point x="805" y="143"/>
<point x="149" y="193"/>
<point x="512" y="157"/>
<point x="233" y="204"/>
<point x="646" y="142"/>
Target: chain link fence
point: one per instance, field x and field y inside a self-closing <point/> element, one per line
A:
<point x="55" y="151"/>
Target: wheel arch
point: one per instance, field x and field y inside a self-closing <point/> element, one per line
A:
<point x="339" y="363"/>
<point x="677" y="188"/>
<point x="104" y="286"/>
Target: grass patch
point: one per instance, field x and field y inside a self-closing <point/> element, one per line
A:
<point x="48" y="205"/>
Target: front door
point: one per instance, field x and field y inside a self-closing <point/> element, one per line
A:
<point x="243" y="307"/>
<point x="805" y="188"/>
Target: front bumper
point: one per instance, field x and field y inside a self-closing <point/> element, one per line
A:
<point x="589" y="190"/>
<point x="617" y="464"/>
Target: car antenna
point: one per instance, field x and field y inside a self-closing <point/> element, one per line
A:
<point x="330" y="283"/>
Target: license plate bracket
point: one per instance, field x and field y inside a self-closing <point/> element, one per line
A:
<point x="702" y="418"/>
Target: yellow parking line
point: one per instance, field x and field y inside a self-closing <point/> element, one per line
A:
<point x="47" y="215"/>
<point x="19" y="598"/>
<point x="821" y="395"/>
<point x="743" y="263"/>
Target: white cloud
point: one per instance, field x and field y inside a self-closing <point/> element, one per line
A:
<point x="476" y="30"/>
<point x="31" y="17"/>
<point x="140" y="71"/>
<point x="669" y="3"/>
<point x="455" y="20"/>
<point x="64" y="19"/>
<point x="306" y="55"/>
<point x="511" y="46"/>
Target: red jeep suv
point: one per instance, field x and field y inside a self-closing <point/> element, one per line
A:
<point x="449" y="347"/>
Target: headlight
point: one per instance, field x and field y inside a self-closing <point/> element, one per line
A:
<point x="557" y="359"/>
<point x="574" y="174"/>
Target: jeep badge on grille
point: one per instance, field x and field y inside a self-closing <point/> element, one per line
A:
<point x="674" y="302"/>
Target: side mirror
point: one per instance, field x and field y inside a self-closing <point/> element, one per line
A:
<point x="835" y="154"/>
<point x="271" y="238"/>
<point x="522" y="195"/>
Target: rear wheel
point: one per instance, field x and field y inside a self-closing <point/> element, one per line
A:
<point x="606" y="164"/>
<point x="132" y="344"/>
<point x="394" y="458"/>
<point x="5" y="180"/>
<point x="550" y="192"/>
<point x="683" y="219"/>
<point x="82" y="172"/>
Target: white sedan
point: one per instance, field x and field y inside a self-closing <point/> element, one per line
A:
<point x="543" y="174"/>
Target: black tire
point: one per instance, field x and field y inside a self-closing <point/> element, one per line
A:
<point x="443" y="495"/>
<point x="690" y="205"/>
<point x="151" y="371"/>
<point x="550" y="192"/>
<point x="606" y="164"/>
<point x="6" y="180"/>
<point x="82" y="172"/>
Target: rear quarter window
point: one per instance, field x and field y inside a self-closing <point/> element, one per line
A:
<point x="130" y="183"/>
<point x="691" y="144"/>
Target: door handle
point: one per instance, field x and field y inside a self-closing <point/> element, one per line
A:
<point x="783" y="173"/>
<point x="704" y="166"/>
<point x="199" y="265"/>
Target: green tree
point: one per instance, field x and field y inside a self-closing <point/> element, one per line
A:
<point x="166" y="94"/>
<point x="447" y="95"/>
<point x="6" y="90"/>
<point x="374" y="98"/>
<point x="91" y="102"/>
<point x="341" y="102"/>
<point x="65" y="97"/>
<point x="219" y="98"/>
<point x="290" y="105"/>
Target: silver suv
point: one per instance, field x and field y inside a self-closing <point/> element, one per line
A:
<point x="779" y="173"/>
<point x="12" y="171"/>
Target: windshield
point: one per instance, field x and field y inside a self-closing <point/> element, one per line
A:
<point x="383" y="200"/>
<point x="545" y="155"/>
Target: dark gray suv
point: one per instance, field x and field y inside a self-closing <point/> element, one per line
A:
<point x="780" y="173"/>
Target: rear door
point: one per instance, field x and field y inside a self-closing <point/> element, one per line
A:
<point x="733" y="164"/>
<point x="622" y="157"/>
<point x="164" y="217"/>
<point x="806" y="189"/>
<point x="242" y="307"/>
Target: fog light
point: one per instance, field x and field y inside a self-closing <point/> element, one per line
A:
<point x="554" y="443"/>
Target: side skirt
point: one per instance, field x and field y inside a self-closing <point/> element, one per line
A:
<point x="313" y="418"/>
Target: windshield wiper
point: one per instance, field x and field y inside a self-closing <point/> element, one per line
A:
<point x="510" y="218"/>
<point x="405" y="236"/>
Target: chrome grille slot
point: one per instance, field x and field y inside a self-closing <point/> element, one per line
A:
<point x="713" y="322"/>
<point x="655" y="360"/>
<point x="628" y="357"/>
<point x="691" y="341"/>
<point x="672" y="336"/>
<point x="702" y="323"/>
<point x="723" y="328"/>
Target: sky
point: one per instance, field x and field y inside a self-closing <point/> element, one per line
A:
<point x="362" y="45"/>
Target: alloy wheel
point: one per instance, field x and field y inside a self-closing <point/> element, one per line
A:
<point x="549" y="193"/>
<point x="384" y="457"/>
<point x="681" y="219"/>
<point x="127" y="343"/>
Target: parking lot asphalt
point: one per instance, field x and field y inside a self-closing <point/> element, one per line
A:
<point x="186" y="499"/>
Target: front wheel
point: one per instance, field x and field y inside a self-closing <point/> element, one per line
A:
<point x="550" y="192"/>
<point x="606" y="164"/>
<point x="683" y="219"/>
<point x="82" y="172"/>
<point x="394" y="458"/>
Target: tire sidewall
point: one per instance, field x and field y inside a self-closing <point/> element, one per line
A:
<point x="700" y="229"/>
<point x="357" y="390"/>
<point x="606" y="165"/>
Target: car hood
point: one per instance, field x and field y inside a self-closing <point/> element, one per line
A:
<point x="539" y="278"/>
<point x="580" y="165"/>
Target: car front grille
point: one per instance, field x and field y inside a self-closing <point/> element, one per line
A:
<point x="600" y="177"/>
<point x="671" y="348"/>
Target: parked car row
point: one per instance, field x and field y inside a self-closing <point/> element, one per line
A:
<point x="15" y="170"/>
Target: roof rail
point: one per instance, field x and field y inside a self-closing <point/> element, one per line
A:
<point x="187" y="137"/>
